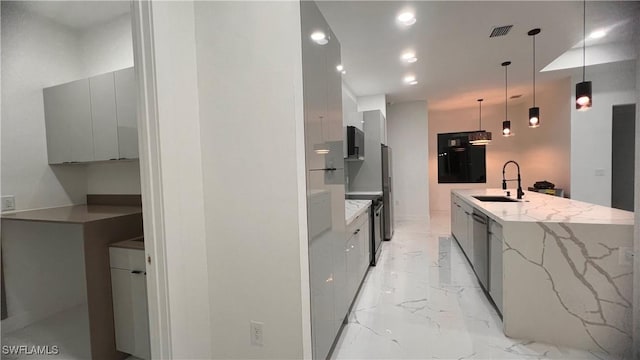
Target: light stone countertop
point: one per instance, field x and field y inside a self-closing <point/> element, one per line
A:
<point x="355" y="208"/>
<point x="536" y="207"/>
<point x="366" y="193"/>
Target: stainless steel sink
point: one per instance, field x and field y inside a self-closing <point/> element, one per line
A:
<point x="495" y="199"/>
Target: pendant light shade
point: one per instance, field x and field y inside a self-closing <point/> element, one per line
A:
<point x="480" y="137"/>
<point x="584" y="98"/>
<point x="534" y="112"/>
<point x="534" y="117"/>
<point x="506" y="124"/>
<point x="506" y="128"/>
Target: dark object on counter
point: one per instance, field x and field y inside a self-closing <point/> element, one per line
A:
<point x="519" y="179"/>
<point x="544" y="185"/>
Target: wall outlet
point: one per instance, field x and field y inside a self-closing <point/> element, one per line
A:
<point x="599" y="172"/>
<point x="625" y="256"/>
<point x="256" y="329"/>
<point x="8" y="203"/>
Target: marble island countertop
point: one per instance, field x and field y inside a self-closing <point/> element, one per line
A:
<point x="564" y="280"/>
<point x="536" y="207"/>
<point x="354" y="208"/>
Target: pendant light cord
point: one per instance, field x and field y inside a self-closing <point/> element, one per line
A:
<point x="505" y="93"/>
<point x="534" y="71"/>
<point x="584" y="35"/>
<point x="480" y="114"/>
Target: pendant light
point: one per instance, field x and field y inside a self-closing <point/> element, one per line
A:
<point x="584" y="98"/>
<point x="480" y="137"/>
<point x="534" y="112"/>
<point x="506" y="124"/>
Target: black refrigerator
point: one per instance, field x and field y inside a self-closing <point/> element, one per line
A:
<point x="387" y="194"/>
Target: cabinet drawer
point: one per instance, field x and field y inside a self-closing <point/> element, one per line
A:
<point x="127" y="259"/>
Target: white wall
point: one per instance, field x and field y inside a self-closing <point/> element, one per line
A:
<point x="36" y="53"/>
<point x="107" y="47"/>
<point x="350" y="114"/>
<point x="543" y="153"/>
<point x="122" y="177"/>
<point x="613" y="84"/>
<point x="174" y="197"/>
<point x="373" y="102"/>
<point x="255" y="198"/>
<point x="408" y="129"/>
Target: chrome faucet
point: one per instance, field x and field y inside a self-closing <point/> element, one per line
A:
<point x="504" y="181"/>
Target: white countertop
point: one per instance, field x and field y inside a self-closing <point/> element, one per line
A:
<point x="366" y="193"/>
<point x="354" y="208"/>
<point x="536" y="207"/>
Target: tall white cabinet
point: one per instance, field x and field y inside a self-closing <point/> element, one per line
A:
<point x="92" y="119"/>
<point x="328" y="262"/>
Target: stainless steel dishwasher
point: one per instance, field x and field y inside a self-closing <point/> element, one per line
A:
<point x="481" y="248"/>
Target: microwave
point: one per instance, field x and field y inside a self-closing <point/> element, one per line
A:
<point x="355" y="143"/>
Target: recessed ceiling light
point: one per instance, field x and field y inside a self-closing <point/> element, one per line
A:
<point x="319" y="38"/>
<point x="344" y="72"/>
<point x="409" y="57"/>
<point x="409" y="78"/>
<point x="407" y="18"/>
<point x="598" y="34"/>
<point x="340" y="67"/>
<point x="413" y="82"/>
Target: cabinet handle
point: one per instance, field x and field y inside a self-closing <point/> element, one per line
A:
<point x="357" y="231"/>
<point x="138" y="272"/>
<point x="113" y="159"/>
<point x="122" y="158"/>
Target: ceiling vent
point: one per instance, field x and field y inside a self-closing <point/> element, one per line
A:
<point x="500" y="31"/>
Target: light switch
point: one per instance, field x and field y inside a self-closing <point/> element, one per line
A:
<point x="8" y="203"/>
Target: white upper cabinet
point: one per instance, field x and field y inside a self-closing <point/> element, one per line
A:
<point x="68" y="122"/>
<point x="125" y="85"/>
<point x="92" y="119"/>
<point x="103" y="115"/>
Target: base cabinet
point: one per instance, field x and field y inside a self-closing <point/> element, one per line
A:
<point x="356" y="251"/>
<point x="462" y="225"/>
<point x="129" y="291"/>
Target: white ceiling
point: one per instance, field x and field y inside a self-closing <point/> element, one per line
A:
<point x="457" y="61"/>
<point x="78" y="15"/>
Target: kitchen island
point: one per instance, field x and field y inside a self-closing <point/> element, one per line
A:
<point x="559" y="270"/>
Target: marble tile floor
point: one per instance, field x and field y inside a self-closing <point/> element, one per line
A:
<point x="423" y="301"/>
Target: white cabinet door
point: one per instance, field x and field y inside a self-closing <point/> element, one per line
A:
<point x="126" y="110"/>
<point x="130" y="312"/>
<point x="68" y="122"/>
<point x="103" y="116"/>
<point x="365" y="240"/>
<point x="80" y="129"/>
